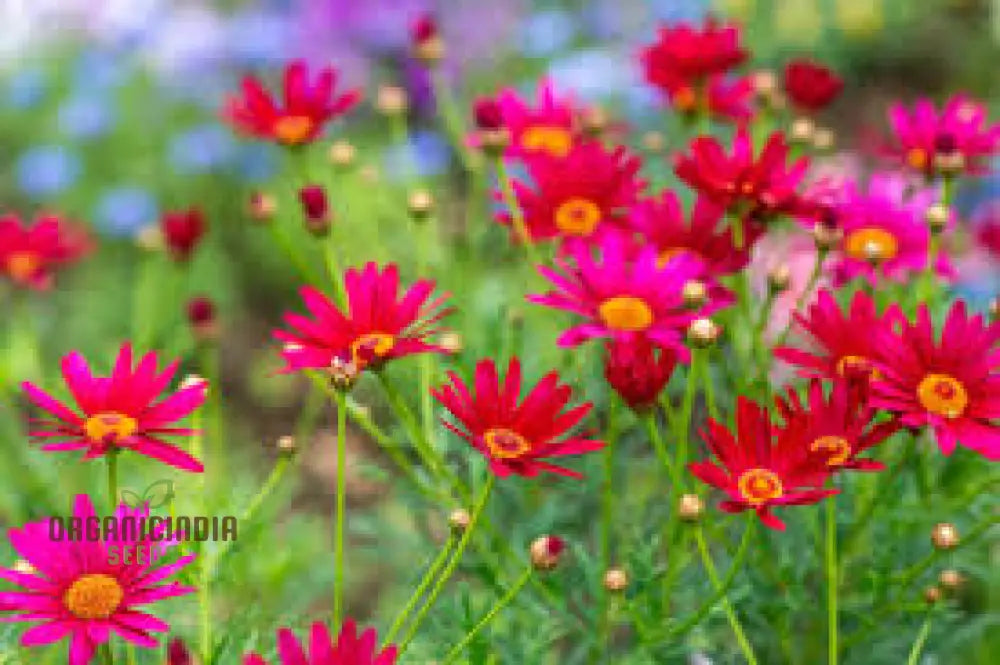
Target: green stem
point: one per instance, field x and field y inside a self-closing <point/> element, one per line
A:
<point x="514" y="207"/>
<point x="452" y="564"/>
<point x="918" y="644"/>
<point x="112" y="458"/>
<point x="800" y="302"/>
<point x="713" y="576"/>
<point x="661" y="450"/>
<point x="500" y="604"/>
<point x="607" y="521"/>
<point x="451" y="119"/>
<point x="418" y="593"/>
<point x="682" y="428"/>
<point x="832" y="578"/>
<point x="338" y="596"/>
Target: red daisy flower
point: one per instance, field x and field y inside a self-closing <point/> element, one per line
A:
<point x="846" y="343"/>
<point x="580" y="195"/>
<point x="305" y="111"/>
<point x="722" y="97"/>
<point x="638" y="370"/>
<point x="515" y="436"/>
<point x="757" y="470"/>
<point x="684" y="53"/>
<point x="379" y="325"/>
<point x="811" y="86"/>
<point x="30" y="253"/>
<point x="349" y="649"/>
<point x="923" y="135"/>
<point x="761" y="186"/>
<point x="839" y="427"/>
<point x="119" y="412"/>
<point x="178" y="653"/>
<point x="951" y="386"/>
<point x="619" y="297"/>
<point x="78" y="593"/>
<point x="182" y="231"/>
<point x="547" y="128"/>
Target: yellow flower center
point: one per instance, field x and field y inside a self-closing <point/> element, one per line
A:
<point x="942" y="394"/>
<point x="111" y="426"/>
<point x="857" y="365"/>
<point x="669" y="253"/>
<point x="93" y="596"/>
<point x="293" y="129"/>
<point x="685" y="99"/>
<point x="555" y="141"/>
<point x="917" y="158"/>
<point x="22" y="266"/>
<point x="836" y="448"/>
<point x="758" y="486"/>
<point x="871" y="244"/>
<point x="371" y="346"/>
<point x="578" y="217"/>
<point x="505" y="444"/>
<point x="626" y="313"/>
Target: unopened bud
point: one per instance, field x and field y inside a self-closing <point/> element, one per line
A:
<point x="950" y="579"/>
<point x="201" y="317"/>
<point x="193" y="380"/>
<point x="779" y="278"/>
<point x="391" y="100"/>
<point x="316" y="209"/>
<point x="546" y="552"/>
<point x="765" y="82"/>
<point x="690" y="507"/>
<point x="594" y="120"/>
<point x="949" y="163"/>
<point x="827" y="236"/>
<point x="653" y="141"/>
<point x="695" y="293"/>
<point x="286" y="444"/>
<point x="262" y="207"/>
<point x="945" y="536"/>
<point x="937" y="217"/>
<point x="802" y="131"/>
<point x="428" y="47"/>
<point x="420" y="203"/>
<point x="459" y="520"/>
<point x="342" y="154"/>
<point x="451" y="341"/>
<point x="823" y="138"/>
<point x="616" y="580"/>
<point x="343" y="373"/>
<point x="702" y="333"/>
<point x="932" y="595"/>
<point x="150" y="238"/>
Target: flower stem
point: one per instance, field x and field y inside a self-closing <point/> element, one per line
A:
<point x="516" y="214"/>
<point x="803" y="298"/>
<point x="500" y="604"/>
<point x="338" y="596"/>
<point x="450" y="568"/>
<point x="418" y="593"/>
<point x="918" y="644"/>
<point x="607" y="521"/>
<point x="661" y="450"/>
<point x="112" y="458"/>
<point x="727" y="607"/>
<point x="832" y="578"/>
<point x="451" y="119"/>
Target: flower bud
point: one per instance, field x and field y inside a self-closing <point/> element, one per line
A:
<point x="182" y="231"/>
<point x="421" y="204"/>
<point x="949" y="163"/>
<point x="950" y="579"/>
<point x="765" y="82"/>
<point x="937" y="217"/>
<point x="459" y="520"/>
<point x="451" y="341"/>
<point x="653" y="141"/>
<point x="150" y="238"/>
<point x="945" y="536"/>
<point x="487" y="113"/>
<point x="695" y="293"/>
<point x="342" y="154"/>
<point x="594" y="120"/>
<point x="428" y="47"/>
<point x="932" y="595"/>
<point x="702" y="333"/>
<point x="316" y="209"/>
<point x="823" y="139"/>
<point x="802" y="130"/>
<point x="779" y="278"/>
<point x="343" y="373"/>
<point x="178" y="653"/>
<point x="995" y="309"/>
<point x="287" y="444"/>
<point x="546" y="552"/>
<point x="690" y="507"/>
<point x="827" y="235"/>
<point x="201" y="318"/>
<point x="616" y="580"/>
<point x="192" y="380"/>
<point x="391" y="100"/>
<point x="262" y="207"/>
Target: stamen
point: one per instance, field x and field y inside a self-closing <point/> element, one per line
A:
<point x="505" y="443"/>
<point x="626" y="313"/>
<point x="759" y="486"/>
<point x="578" y="216"/>
<point x="93" y="596"/>
<point x="110" y="427"/>
<point x="555" y="141"/>
<point x="293" y="129"/>
<point x="870" y="244"/>
<point x="943" y="394"/>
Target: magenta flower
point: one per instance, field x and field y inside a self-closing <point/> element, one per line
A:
<point x="349" y="649"/>
<point x="119" y="412"/>
<point x="76" y="591"/>
<point x="545" y="128"/>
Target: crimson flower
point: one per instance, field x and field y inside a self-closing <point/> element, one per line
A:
<point x="300" y="117"/>
<point x="759" y="470"/>
<point x="515" y="436"/>
<point x="424" y="29"/>
<point x="845" y="343"/>
<point x="379" y="324"/>
<point x="811" y="86"/>
<point x="178" y="653"/>
<point x="349" y="649"/>
<point x="487" y="114"/>
<point x="720" y="96"/>
<point x="838" y="428"/>
<point x="30" y="253"/>
<point x="951" y="386"/>
<point x="77" y="593"/>
<point x="638" y="370"/>
<point x="582" y="194"/>
<point x="182" y="231"/>
<point x="120" y="411"/>
<point x="685" y="53"/>
<point x="545" y="128"/>
<point x="759" y="186"/>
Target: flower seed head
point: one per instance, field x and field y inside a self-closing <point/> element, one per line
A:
<point x="262" y="207"/>
<point x="546" y="551"/>
<point x="421" y="204"/>
<point x="779" y="278"/>
<point x="932" y="595"/>
<point x="594" y="120"/>
<point x="823" y="139"/>
<point x="802" y="130"/>
<point x="695" y="293"/>
<point x="702" y="333"/>
<point x="616" y="580"/>
<point x="827" y="236"/>
<point x="459" y="520"/>
<point x="937" y="217"/>
<point x="949" y="163"/>
<point x="150" y="238"/>
<point x="690" y="507"/>
<point x="343" y="373"/>
<point x="945" y="536"/>
<point x="995" y="309"/>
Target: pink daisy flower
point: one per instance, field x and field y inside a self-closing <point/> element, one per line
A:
<point x="120" y="411"/>
<point x="77" y="593"/>
<point x="349" y="649"/>
<point x="618" y="297"/>
<point x="547" y="127"/>
<point x="951" y="386"/>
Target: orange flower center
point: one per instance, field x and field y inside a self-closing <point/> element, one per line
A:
<point x="293" y="129"/>
<point x="577" y="216"/>
<point x="685" y="99"/>
<point x="836" y="448"/>
<point x="93" y="596"/>
<point x="505" y="443"/>
<point x="871" y="244"/>
<point x="917" y="158"/>
<point x="747" y="188"/>
<point x="944" y="395"/>
<point x="759" y="486"/>
<point x="856" y="365"/>
<point x="370" y="347"/>
<point x="555" y="141"/>
<point x="111" y="426"/>
<point x="626" y="313"/>
<point x="669" y="253"/>
<point x="22" y="266"/>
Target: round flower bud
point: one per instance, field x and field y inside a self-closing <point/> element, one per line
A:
<point x="150" y="238"/>
<point x="765" y="83"/>
<point x="945" y="536"/>
<point x="262" y="207"/>
<point x="420" y="203"/>
<point x="316" y="209"/>
<point x="594" y="120"/>
<point x="201" y="318"/>
<point x="695" y="293"/>
<point x="24" y="567"/>
<point x="494" y="141"/>
<point x="937" y="217"/>
<point x="343" y="373"/>
<point x="802" y="130"/>
<point x="487" y="114"/>
<point x="950" y="579"/>
<point x="192" y="380"/>
<point x="779" y="278"/>
<point x="690" y="507"/>
<point x="702" y="333"/>
<point x="458" y="520"/>
<point x="451" y="341"/>
<point x="653" y="141"/>
<point x="616" y="580"/>
<point x="286" y="444"/>
<point x="949" y="163"/>
<point x="342" y="154"/>
<point x="546" y="552"/>
<point x="932" y="595"/>
<point x="823" y="138"/>
<point x="827" y="236"/>
<point x="391" y="100"/>
<point x="428" y="47"/>
<point x="995" y="309"/>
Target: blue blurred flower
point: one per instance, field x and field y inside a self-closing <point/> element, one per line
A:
<point x="126" y="210"/>
<point x="673" y="11"/>
<point x="201" y="149"/>
<point x="256" y="162"/>
<point x="547" y="32"/>
<point x="98" y="71"/>
<point x="426" y="150"/>
<point x="592" y="73"/>
<point x="46" y="170"/>
<point x="258" y="38"/>
<point x="26" y="88"/>
<point x="85" y="116"/>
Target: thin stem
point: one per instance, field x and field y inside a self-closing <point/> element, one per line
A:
<point x="607" y="520"/>
<point x="452" y="564"/>
<point x="832" y="579"/>
<point x="727" y="607"/>
<point x="800" y="302"/>
<point x="918" y="644"/>
<point x="500" y="604"/>
<point x="660" y="448"/>
<point x="112" y="458"/>
<point x="418" y="593"/>
<point x="514" y="207"/>
<point x="682" y="427"/>
<point x="451" y="119"/>
<point x="338" y="596"/>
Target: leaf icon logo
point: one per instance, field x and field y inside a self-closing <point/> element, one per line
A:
<point x="154" y="496"/>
